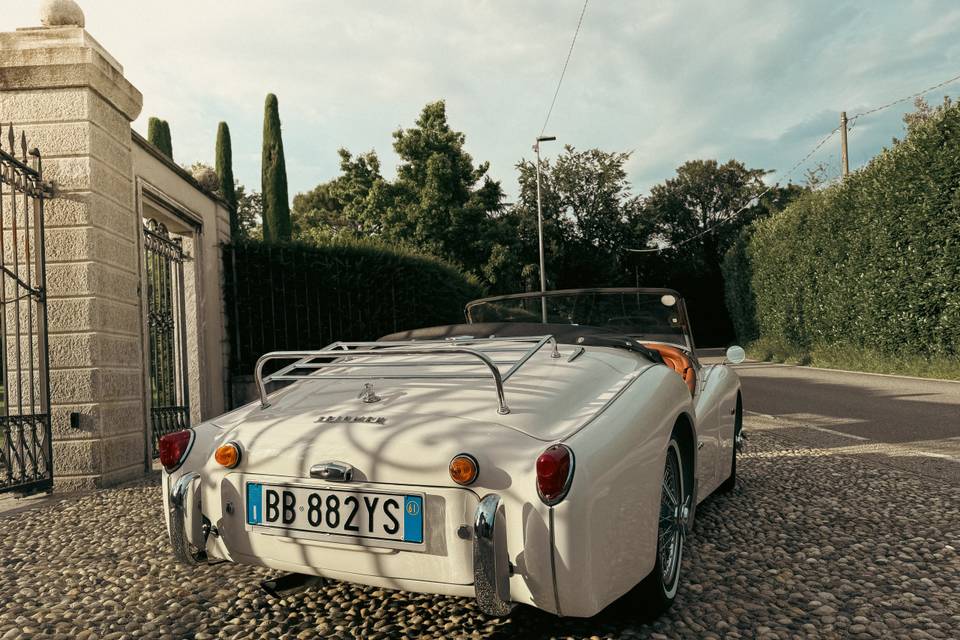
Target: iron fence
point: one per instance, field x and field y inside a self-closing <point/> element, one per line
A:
<point x="26" y="449"/>
<point x="166" y="315"/>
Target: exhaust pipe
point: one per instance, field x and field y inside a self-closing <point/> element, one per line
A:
<point x="290" y="584"/>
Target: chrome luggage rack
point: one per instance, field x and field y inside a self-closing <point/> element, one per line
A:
<point x="343" y="354"/>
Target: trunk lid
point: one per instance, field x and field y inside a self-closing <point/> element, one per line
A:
<point x="410" y="434"/>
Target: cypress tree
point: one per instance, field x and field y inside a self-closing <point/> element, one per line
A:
<point x="155" y="132"/>
<point x="158" y="134"/>
<point x="167" y="140"/>
<point x="225" y="175"/>
<point x="276" y="204"/>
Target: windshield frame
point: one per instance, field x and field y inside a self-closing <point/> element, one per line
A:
<point x="655" y="291"/>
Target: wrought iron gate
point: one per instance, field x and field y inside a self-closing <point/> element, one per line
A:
<point x="166" y="324"/>
<point x="26" y="449"/>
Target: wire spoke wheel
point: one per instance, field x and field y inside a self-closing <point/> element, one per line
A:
<point x="656" y="592"/>
<point x="671" y="529"/>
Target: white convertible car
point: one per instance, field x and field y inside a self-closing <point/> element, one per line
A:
<point x="550" y="452"/>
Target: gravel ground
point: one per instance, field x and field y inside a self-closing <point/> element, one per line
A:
<point x="808" y="546"/>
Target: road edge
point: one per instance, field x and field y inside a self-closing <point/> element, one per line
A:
<point x="861" y="373"/>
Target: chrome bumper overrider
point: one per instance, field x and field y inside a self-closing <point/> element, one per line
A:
<point x="188" y="529"/>
<point x="491" y="566"/>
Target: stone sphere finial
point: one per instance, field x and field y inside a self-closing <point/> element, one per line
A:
<point x="61" y="13"/>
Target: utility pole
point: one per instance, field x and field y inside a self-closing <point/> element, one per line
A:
<point x="543" y="271"/>
<point x="844" y="154"/>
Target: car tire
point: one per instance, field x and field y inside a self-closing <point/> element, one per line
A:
<point x="655" y="593"/>
<point x="731" y="483"/>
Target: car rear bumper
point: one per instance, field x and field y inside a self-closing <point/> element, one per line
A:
<point x="186" y="522"/>
<point x="189" y="531"/>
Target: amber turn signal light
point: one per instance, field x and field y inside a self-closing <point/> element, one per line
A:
<point x="228" y="455"/>
<point x="464" y="469"/>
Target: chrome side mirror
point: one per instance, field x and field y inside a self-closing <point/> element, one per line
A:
<point x="736" y="354"/>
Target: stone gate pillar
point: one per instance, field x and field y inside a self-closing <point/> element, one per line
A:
<point x="69" y="95"/>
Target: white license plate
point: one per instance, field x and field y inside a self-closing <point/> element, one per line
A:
<point x="352" y="514"/>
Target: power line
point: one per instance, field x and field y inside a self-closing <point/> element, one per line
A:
<point x="564" y="72"/>
<point x="754" y="200"/>
<point x="906" y="98"/>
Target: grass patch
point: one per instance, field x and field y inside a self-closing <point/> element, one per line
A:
<point x="855" y="359"/>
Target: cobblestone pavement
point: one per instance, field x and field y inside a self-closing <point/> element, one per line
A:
<point x="811" y="544"/>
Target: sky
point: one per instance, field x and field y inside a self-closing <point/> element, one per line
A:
<point x="761" y="81"/>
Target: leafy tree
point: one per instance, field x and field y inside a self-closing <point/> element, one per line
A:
<point x="924" y="112"/>
<point x="441" y="202"/>
<point x="276" y="204"/>
<point x="700" y="213"/>
<point x="249" y="212"/>
<point x="224" y="170"/>
<point x="350" y="205"/>
<point x="705" y="195"/>
<point x="590" y="218"/>
<point x="158" y="134"/>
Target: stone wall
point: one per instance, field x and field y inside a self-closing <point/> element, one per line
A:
<point x="70" y="97"/>
<point x="166" y="192"/>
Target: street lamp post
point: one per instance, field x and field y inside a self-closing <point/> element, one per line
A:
<point x="543" y="272"/>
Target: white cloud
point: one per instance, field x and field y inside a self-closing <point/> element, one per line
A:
<point x="758" y="81"/>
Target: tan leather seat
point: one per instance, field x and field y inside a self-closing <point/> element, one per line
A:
<point x="677" y="360"/>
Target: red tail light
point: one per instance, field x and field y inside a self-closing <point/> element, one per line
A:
<point x="174" y="448"/>
<point x="554" y="474"/>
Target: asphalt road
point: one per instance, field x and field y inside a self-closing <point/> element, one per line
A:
<point x="909" y="423"/>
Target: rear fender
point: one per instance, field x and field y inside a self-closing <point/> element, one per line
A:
<point x="605" y="530"/>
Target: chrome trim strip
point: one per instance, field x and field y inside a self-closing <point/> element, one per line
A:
<point x="180" y="502"/>
<point x="491" y="578"/>
<point x="553" y="564"/>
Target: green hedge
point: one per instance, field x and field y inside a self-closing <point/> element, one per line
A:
<point x="872" y="263"/>
<point x="738" y="289"/>
<point x="294" y="296"/>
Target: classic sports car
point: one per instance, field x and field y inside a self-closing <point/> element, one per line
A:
<point x="550" y="452"/>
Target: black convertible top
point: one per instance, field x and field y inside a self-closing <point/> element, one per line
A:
<point x="564" y="333"/>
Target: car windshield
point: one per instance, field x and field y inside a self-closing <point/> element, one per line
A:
<point x="647" y="314"/>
